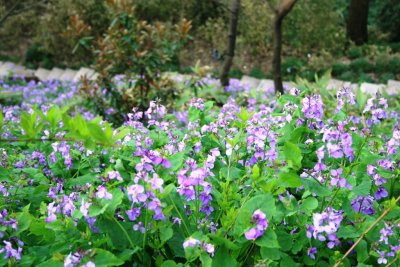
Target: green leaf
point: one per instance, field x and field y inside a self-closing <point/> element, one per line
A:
<point x="106" y="258"/>
<point x="220" y="240"/>
<point x="309" y="204"/>
<point x="268" y="240"/>
<point x="82" y="180"/>
<point x="293" y="155"/>
<point x="347" y="232"/>
<point x="194" y="114"/>
<point x="176" y="161"/>
<point x="223" y="258"/>
<point x="24" y="219"/>
<point x="255" y="171"/>
<point x="54" y="116"/>
<point x="51" y="263"/>
<point x="363" y="188"/>
<point x="1" y="119"/>
<point x="290" y="179"/>
<point x="264" y="202"/>
<point x="270" y="253"/>
<point x="206" y="260"/>
<point x="166" y="233"/>
<point x="96" y="210"/>
<point x="362" y="251"/>
<point x="314" y="187"/>
<point x="117" y="196"/>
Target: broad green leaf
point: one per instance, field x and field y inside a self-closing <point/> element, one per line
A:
<point x="363" y="188"/>
<point x="265" y="202"/>
<point x="166" y="233"/>
<point x="290" y="179"/>
<point x="362" y="251"/>
<point x="293" y="155"/>
<point x="268" y="240"/>
<point x="106" y="258"/>
<point x="309" y="204"/>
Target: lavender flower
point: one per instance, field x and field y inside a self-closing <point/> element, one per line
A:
<point x="260" y="219"/>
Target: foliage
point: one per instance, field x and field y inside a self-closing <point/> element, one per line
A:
<point x="294" y="180"/>
<point x="140" y="52"/>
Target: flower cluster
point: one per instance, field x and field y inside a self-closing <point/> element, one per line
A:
<point x="260" y="219"/>
<point x="195" y="243"/>
<point x="363" y="205"/>
<point x="313" y="107"/>
<point x="325" y="225"/>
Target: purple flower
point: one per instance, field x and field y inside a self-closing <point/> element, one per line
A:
<point x="260" y="219"/>
<point x="135" y="193"/>
<point x="382" y="259"/>
<point x="311" y="252"/>
<point x="10" y="251"/>
<point x="363" y="205"/>
<point x="103" y="193"/>
<point x="51" y="210"/>
<point x="313" y="107"/>
<point x="114" y="175"/>
<point x="381" y="193"/>
<point x="191" y="242"/>
<point x="133" y="214"/>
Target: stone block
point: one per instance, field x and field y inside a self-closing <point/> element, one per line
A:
<point x="250" y="81"/>
<point x="42" y="74"/>
<point x="371" y="88"/>
<point x="393" y="87"/>
<point x="55" y="74"/>
<point x="83" y="72"/>
<point x="68" y="75"/>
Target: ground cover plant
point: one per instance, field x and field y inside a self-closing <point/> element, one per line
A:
<point x="307" y="178"/>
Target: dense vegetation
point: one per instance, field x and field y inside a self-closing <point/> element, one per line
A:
<point x="66" y="33"/>
<point x="296" y="180"/>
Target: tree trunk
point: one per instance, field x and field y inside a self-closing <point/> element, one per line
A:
<point x="233" y="22"/>
<point x="357" y="30"/>
<point x="276" y="61"/>
<point x="284" y="8"/>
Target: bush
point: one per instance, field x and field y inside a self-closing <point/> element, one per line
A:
<point x="339" y="68"/>
<point x="361" y="65"/>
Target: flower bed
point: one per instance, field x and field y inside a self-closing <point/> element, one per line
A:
<point x="303" y="179"/>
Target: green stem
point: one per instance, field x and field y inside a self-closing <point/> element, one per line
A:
<point x="386" y="211"/>
<point x="180" y="216"/>
<point x="125" y="233"/>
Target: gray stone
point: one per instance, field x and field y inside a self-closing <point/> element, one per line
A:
<point x="6" y="69"/>
<point x="393" y="87"/>
<point x="83" y="72"/>
<point x="266" y="86"/>
<point x="21" y="71"/>
<point x="250" y="81"/>
<point x="55" y="74"/>
<point x="68" y="75"/>
<point x="335" y="84"/>
<point x="42" y="74"/>
<point x="371" y="88"/>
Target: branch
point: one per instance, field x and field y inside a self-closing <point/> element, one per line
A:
<point x="9" y="12"/>
<point x="364" y="233"/>
<point x="285" y="6"/>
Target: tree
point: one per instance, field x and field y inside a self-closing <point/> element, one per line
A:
<point x="357" y="30"/>
<point x="284" y="7"/>
<point x="12" y="8"/>
<point x="233" y="22"/>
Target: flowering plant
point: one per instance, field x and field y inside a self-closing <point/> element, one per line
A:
<point x="272" y="182"/>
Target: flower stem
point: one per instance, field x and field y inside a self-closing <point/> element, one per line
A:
<point x="385" y="212"/>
